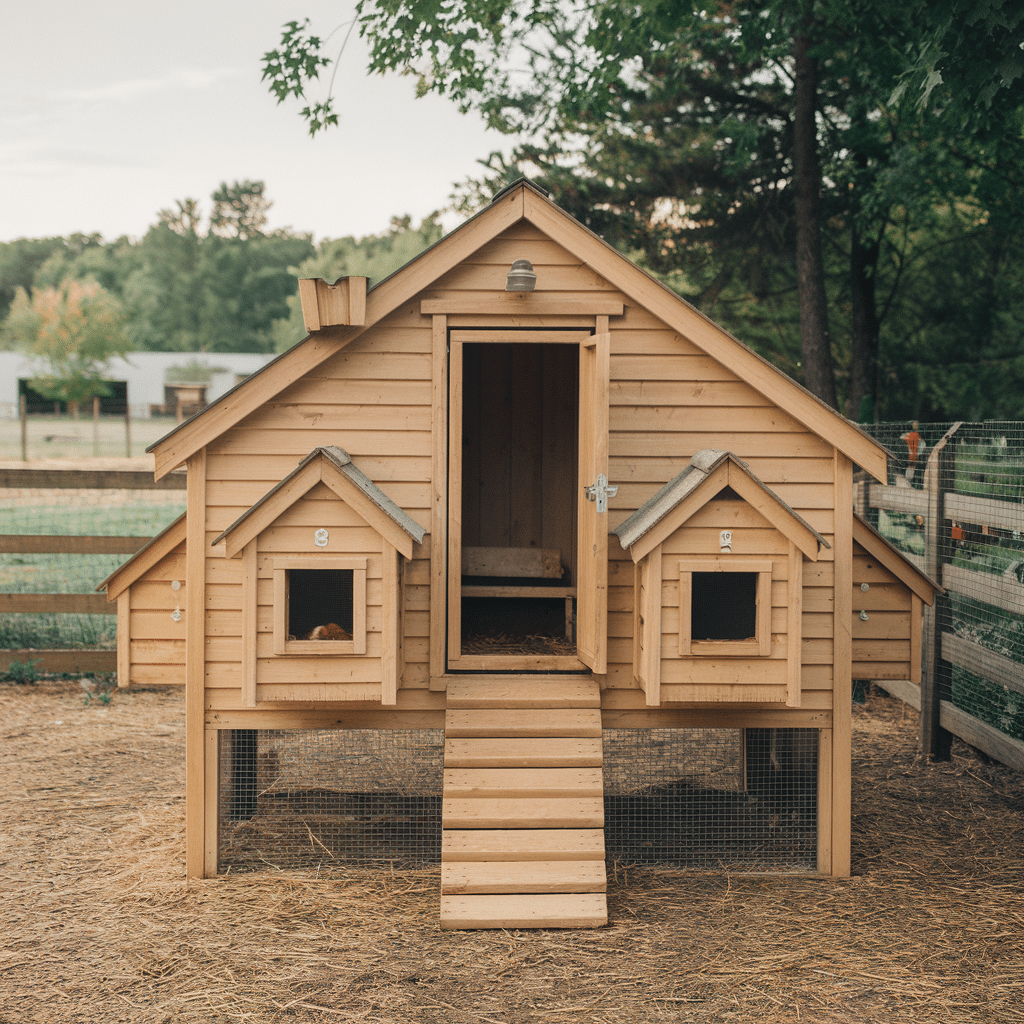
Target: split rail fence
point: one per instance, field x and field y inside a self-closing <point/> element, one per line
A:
<point x="41" y="488"/>
<point x="957" y="511"/>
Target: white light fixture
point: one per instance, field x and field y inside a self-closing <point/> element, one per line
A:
<point x="521" y="277"/>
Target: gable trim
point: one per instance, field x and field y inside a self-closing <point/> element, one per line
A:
<point x="677" y="313"/>
<point x="708" y="472"/>
<point x="333" y="467"/>
<point x="144" y="559"/>
<point x="524" y="201"/>
<point x="895" y="561"/>
<point x="175" y="447"/>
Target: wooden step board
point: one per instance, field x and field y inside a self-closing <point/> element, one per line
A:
<point x="523" y="811"/>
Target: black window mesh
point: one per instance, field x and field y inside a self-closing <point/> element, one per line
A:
<point x="723" y="605"/>
<point x="317" y="597"/>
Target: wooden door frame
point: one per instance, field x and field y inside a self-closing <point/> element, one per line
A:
<point x="454" y="660"/>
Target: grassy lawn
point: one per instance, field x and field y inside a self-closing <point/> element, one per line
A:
<point x="61" y="437"/>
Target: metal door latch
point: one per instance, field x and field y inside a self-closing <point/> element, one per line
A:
<point x="601" y="492"/>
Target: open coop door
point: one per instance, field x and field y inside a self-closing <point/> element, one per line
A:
<point x="592" y="589"/>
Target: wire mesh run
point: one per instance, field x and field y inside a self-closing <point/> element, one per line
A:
<point x="980" y="557"/>
<point x="736" y="799"/>
<point x="323" y="798"/>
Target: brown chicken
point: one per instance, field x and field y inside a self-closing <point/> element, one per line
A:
<point x="332" y="631"/>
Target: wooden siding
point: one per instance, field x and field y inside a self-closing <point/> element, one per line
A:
<point x="156" y="648"/>
<point x="882" y="643"/>
<point x="373" y="398"/>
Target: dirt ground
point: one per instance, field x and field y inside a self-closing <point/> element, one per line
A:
<point x="99" y="924"/>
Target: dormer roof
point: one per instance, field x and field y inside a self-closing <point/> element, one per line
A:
<point x="334" y="467"/>
<point x="709" y="472"/>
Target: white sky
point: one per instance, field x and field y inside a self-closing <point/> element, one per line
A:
<point x="111" y="110"/>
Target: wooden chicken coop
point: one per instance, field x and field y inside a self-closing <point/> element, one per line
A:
<point x="550" y="569"/>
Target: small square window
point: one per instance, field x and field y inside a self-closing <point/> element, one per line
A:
<point x="725" y="608"/>
<point x="320" y="605"/>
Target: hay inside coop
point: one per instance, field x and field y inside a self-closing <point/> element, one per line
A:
<point x="741" y="799"/>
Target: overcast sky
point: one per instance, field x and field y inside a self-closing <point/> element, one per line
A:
<point x="111" y="110"/>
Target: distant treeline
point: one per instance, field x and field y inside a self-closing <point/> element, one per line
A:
<point x="223" y="283"/>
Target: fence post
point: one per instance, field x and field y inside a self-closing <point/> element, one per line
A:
<point x="24" y="428"/>
<point x="127" y="429"/>
<point x="938" y="481"/>
<point x="95" y="425"/>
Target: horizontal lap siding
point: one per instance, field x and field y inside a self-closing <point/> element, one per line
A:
<point x="156" y="649"/>
<point x="881" y="644"/>
<point x="373" y="400"/>
<point x="668" y="401"/>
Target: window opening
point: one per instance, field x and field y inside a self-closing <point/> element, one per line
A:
<point x="320" y="604"/>
<point x="723" y="606"/>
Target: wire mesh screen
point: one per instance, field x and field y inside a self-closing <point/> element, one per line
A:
<point x="323" y="798"/>
<point x="737" y="799"/>
<point x="980" y="558"/>
<point x="723" y="605"/>
<point x="71" y="512"/>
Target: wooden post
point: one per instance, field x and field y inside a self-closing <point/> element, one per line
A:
<point x="195" y="670"/>
<point x="24" y="428"/>
<point x="95" y="425"/>
<point x="938" y="481"/>
<point x="842" y="668"/>
<point x="127" y="428"/>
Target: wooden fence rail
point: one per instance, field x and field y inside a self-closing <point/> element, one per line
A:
<point x="942" y="508"/>
<point x="75" y="659"/>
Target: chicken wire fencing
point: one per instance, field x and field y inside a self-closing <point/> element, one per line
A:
<point x="71" y="510"/>
<point x="980" y="559"/>
<point x="323" y="798"/>
<point x="735" y="799"/>
<point x="743" y="800"/>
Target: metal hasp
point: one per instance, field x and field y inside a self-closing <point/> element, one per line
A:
<point x="600" y="492"/>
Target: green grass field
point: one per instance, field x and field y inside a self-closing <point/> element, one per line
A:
<point x="71" y="574"/>
<point x="61" y="437"/>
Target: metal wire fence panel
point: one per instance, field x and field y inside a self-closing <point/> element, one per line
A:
<point x="979" y="554"/>
<point x="323" y="798"/>
<point x="738" y="799"/>
<point x="71" y="512"/>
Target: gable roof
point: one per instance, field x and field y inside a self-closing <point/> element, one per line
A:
<point x="522" y="201"/>
<point x="894" y="560"/>
<point x="332" y="466"/>
<point x="144" y="559"/>
<point x="707" y="474"/>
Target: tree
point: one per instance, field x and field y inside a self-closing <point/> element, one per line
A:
<point x="239" y="210"/>
<point x="819" y="157"/>
<point x="71" y="332"/>
<point x="218" y="290"/>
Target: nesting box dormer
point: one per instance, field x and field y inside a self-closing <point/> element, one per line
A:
<point x="718" y="587"/>
<point x="322" y="556"/>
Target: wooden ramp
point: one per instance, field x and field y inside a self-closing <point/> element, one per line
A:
<point x="523" y="816"/>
